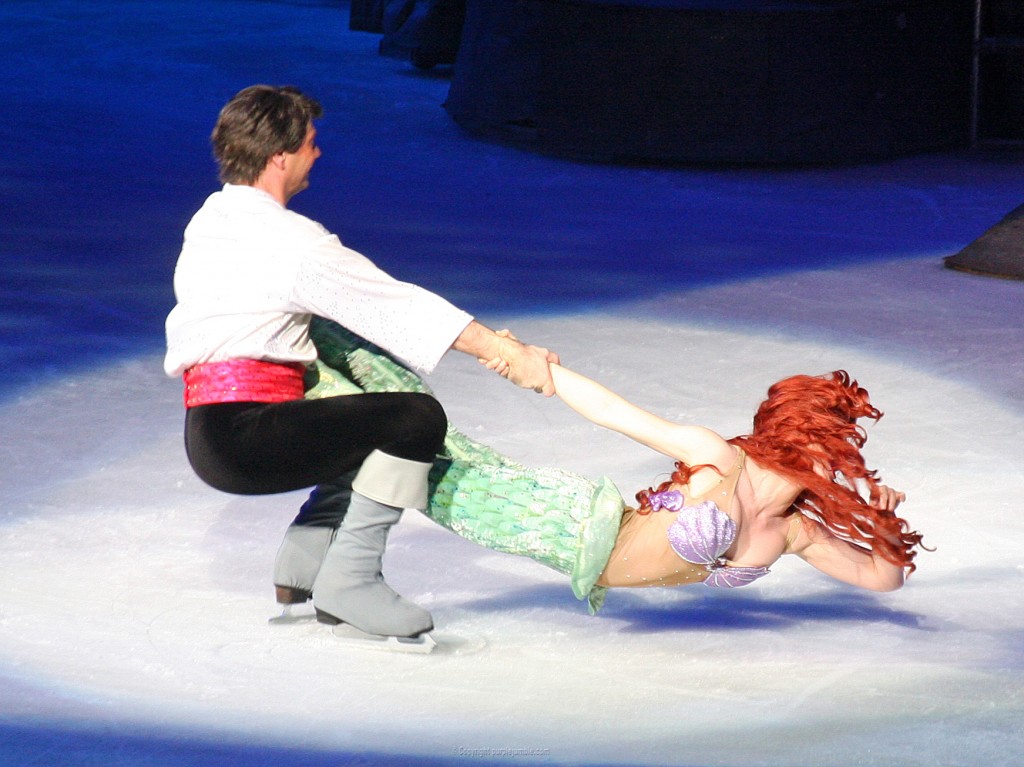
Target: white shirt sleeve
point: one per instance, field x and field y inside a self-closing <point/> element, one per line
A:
<point x="251" y="273"/>
<point x="410" y="322"/>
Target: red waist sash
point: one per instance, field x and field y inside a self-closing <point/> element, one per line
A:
<point x="243" y="381"/>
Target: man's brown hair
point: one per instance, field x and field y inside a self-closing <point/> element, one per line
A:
<point x="256" y="124"/>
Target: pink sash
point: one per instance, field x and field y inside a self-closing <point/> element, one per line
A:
<point x="243" y="380"/>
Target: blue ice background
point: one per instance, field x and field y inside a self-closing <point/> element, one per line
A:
<point x="106" y="111"/>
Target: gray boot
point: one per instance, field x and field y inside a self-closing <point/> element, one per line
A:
<point x="298" y="562"/>
<point x="307" y="539"/>
<point x="350" y="587"/>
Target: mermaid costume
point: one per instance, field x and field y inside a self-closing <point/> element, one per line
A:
<point x="577" y="526"/>
<point x="555" y="517"/>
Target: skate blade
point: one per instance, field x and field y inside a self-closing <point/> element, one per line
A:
<point x="424" y="644"/>
<point x="297" y="613"/>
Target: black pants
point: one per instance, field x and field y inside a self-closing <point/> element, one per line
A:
<point x="258" y="448"/>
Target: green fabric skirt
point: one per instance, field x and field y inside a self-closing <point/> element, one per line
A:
<point x="558" y="518"/>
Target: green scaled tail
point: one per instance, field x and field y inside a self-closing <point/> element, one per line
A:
<point x="555" y="517"/>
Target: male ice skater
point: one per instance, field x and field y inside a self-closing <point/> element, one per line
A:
<point x="250" y="276"/>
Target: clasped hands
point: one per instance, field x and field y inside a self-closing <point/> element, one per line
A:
<point x="524" y="365"/>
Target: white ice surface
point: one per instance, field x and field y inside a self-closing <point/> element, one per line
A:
<point x="134" y="594"/>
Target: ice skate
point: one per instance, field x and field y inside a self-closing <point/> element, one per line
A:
<point x="350" y="587"/>
<point x="350" y="636"/>
<point x="293" y="613"/>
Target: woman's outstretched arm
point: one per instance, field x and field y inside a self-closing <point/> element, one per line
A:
<point x="683" y="442"/>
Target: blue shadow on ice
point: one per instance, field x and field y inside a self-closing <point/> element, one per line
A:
<point x="22" y="746"/>
<point x="742" y="611"/>
<point x="700" y="612"/>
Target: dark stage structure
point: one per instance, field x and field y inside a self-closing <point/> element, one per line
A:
<point x="999" y="252"/>
<point x="721" y="81"/>
<point x="742" y="82"/>
<point x="997" y="119"/>
<point x="730" y="81"/>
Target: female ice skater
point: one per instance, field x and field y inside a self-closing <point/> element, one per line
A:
<point x="797" y="484"/>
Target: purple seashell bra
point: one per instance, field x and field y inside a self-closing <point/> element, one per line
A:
<point x="701" y="535"/>
<point x="669" y="500"/>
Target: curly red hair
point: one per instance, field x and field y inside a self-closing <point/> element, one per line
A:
<point x="807" y="431"/>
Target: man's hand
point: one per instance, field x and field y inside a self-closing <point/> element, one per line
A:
<point x="526" y="365"/>
<point x="523" y="364"/>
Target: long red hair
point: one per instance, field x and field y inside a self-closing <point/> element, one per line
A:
<point x="809" y="423"/>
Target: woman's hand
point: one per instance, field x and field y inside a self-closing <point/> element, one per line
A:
<point x="886" y="498"/>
